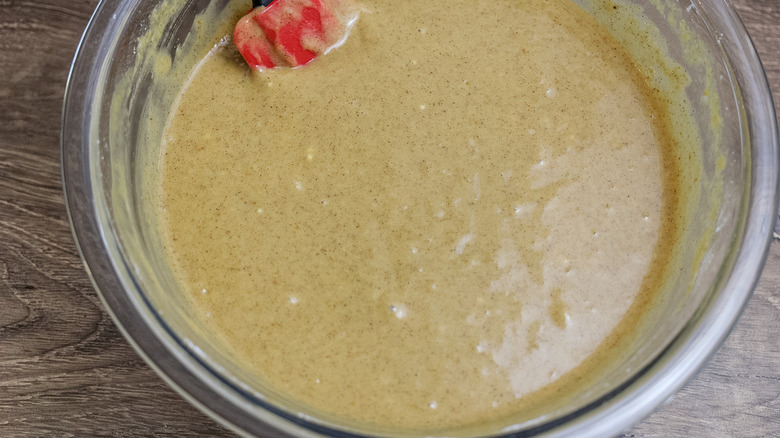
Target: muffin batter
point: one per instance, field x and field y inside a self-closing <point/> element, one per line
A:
<point x="434" y="223"/>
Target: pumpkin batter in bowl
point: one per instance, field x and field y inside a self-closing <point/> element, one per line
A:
<point x="455" y="216"/>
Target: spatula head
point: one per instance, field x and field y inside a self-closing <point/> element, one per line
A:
<point x="290" y="33"/>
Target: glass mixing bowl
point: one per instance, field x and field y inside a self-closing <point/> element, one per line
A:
<point x="108" y="171"/>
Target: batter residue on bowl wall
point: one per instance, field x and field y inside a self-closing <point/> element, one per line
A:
<point x="433" y="224"/>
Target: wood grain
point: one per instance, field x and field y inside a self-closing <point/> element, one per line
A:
<point x="65" y="370"/>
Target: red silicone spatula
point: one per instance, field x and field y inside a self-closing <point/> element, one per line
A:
<point x="289" y="33"/>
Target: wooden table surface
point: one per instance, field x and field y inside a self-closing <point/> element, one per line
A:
<point x="65" y="370"/>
